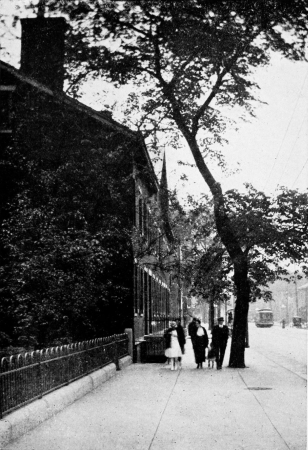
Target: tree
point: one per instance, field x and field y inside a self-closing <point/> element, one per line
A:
<point x="271" y="230"/>
<point x="66" y="233"/>
<point x="195" y="57"/>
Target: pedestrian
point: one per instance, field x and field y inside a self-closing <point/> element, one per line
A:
<point x="211" y="356"/>
<point x="220" y="335"/>
<point x="181" y="338"/>
<point x="283" y="323"/>
<point x="230" y="318"/>
<point x="192" y="329"/>
<point x="201" y="343"/>
<point x="173" y="349"/>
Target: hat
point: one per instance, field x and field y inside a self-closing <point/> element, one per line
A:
<point x="220" y="319"/>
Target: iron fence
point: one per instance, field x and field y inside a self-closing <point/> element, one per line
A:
<point x="28" y="376"/>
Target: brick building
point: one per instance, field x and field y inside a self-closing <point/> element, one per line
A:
<point x="51" y="127"/>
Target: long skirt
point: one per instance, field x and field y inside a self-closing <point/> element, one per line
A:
<point x="199" y="349"/>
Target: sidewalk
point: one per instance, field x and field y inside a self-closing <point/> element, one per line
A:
<point x="150" y="407"/>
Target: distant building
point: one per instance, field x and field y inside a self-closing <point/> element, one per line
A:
<point x="303" y="302"/>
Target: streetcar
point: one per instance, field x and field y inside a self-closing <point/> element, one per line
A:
<point x="264" y="318"/>
<point x="297" y="322"/>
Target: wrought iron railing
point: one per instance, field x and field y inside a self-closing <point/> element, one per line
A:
<point x="28" y="376"/>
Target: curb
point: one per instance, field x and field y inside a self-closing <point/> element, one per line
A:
<point x="30" y="416"/>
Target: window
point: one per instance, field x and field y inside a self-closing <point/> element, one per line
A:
<point x="150" y="299"/>
<point x="145" y="220"/>
<point x="143" y="217"/>
<point x="140" y="214"/>
<point x="154" y="298"/>
<point x="167" y="302"/>
<point x="142" y="291"/>
<point x="6" y="108"/>
<point x="161" y="303"/>
<point x="136" y="288"/>
<point x="143" y="301"/>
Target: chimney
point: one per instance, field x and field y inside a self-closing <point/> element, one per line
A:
<point x="42" y="50"/>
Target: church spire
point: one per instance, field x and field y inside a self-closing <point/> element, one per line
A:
<point x="163" y="187"/>
<point x="164" y="200"/>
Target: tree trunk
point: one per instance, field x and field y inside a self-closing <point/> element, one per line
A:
<point x="237" y="355"/>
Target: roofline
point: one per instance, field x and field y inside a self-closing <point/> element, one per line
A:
<point x="62" y="97"/>
<point x="147" y="156"/>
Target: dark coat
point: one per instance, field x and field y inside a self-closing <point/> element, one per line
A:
<point x="181" y="337"/>
<point x="220" y="335"/>
<point x="192" y="329"/>
<point x="200" y="344"/>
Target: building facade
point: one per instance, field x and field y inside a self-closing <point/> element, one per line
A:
<point x="51" y="128"/>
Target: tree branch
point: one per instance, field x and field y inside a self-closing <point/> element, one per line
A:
<point x="228" y="66"/>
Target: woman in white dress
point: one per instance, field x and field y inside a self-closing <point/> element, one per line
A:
<point x="173" y="350"/>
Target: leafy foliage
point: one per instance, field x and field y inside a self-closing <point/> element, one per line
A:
<point x="272" y="231"/>
<point x="189" y="59"/>
<point x="63" y="238"/>
<point x="275" y="228"/>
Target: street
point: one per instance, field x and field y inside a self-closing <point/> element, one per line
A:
<point x="285" y="346"/>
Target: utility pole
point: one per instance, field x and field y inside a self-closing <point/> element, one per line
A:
<point x="287" y="305"/>
<point x="296" y="298"/>
<point x="211" y="312"/>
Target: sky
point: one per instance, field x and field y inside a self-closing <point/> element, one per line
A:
<point x="272" y="149"/>
<point x="269" y="151"/>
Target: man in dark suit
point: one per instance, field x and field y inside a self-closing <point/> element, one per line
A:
<point x="220" y="335"/>
<point x="192" y="330"/>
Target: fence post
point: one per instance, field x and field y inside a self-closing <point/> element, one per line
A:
<point x="1" y="396"/>
<point x="129" y="333"/>
<point x="68" y="366"/>
<point x="40" y="375"/>
<point x="116" y="355"/>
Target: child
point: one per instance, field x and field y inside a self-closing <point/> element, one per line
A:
<point x="211" y="356"/>
<point x="173" y="349"/>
